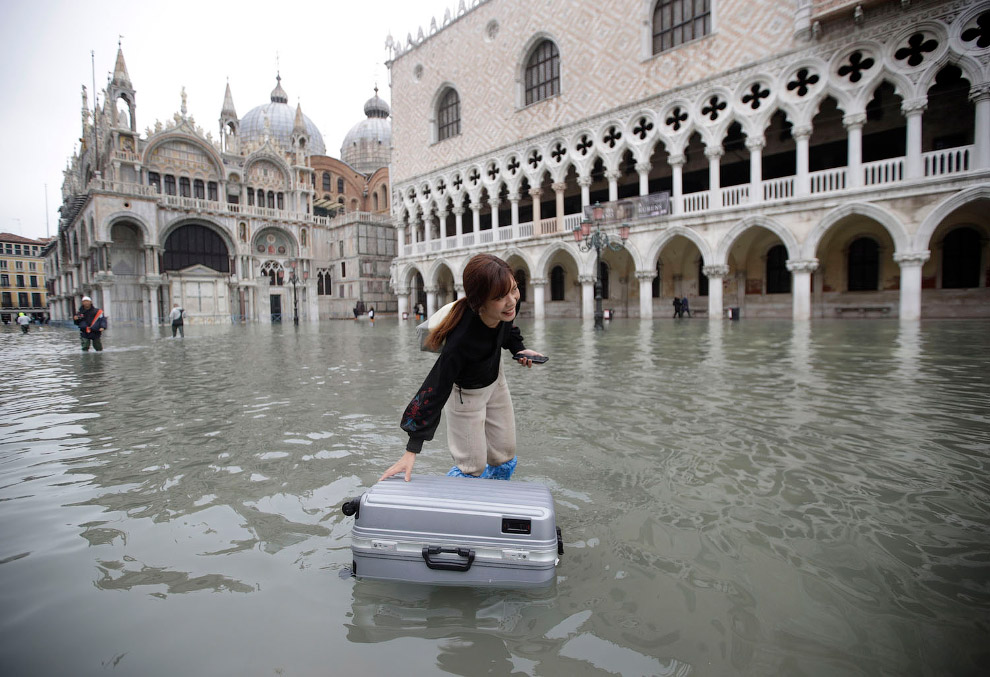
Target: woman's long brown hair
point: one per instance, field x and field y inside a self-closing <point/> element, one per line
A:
<point x="486" y="277"/>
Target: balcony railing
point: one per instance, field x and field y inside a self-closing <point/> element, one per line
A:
<point x="881" y="172"/>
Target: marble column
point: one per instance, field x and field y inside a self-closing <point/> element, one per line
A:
<point x="535" y="193"/>
<point x="914" y="166"/>
<point x="431" y="300"/>
<point x="854" y="145"/>
<point x="458" y="291"/>
<point x="585" y="183"/>
<point x="475" y="217"/>
<point x="715" y="275"/>
<point x="402" y="293"/>
<point x="676" y="163"/>
<point x="558" y="189"/>
<point x="801" y="287"/>
<point x="539" y="297"/>
<point x="587" y="296"/>
<point x="980" y="96"/>
<point x="107" y="301"/>
<point x="911" y="264"/>
<point x="458" y="223"/>
<point x="643" y="169"/>
<point x="514" y="208"/>
<point x="613" y="185"/>
<point x="802" y="137"/>
<point x="493" y="203"/>
<point x="714" y="156"/>
<point x="645" y="278"/>
<point x="755" y="147"/>
<point x="400" y="236"/>
<point x="442" y="221"/>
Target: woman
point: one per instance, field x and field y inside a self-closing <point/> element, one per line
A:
<point x="481" y="427"/>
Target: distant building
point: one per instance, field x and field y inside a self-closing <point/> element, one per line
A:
<point x="821" y="158"/>
<point x="22" y="277"/>
<point x="231" y="229"/>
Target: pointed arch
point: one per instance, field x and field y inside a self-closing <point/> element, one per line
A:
<point x="724" y="245"/>
<point x="653" y="253"/>
<point x="942" y="211"/>
<point x="891" y="224"/>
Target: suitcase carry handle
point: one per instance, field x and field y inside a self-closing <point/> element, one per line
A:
<point x="448" y="565"/>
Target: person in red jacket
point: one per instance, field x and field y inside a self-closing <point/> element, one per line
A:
<point x="467" y="382"/>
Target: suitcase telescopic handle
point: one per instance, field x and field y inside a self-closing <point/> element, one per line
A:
<point x="445" y="564"/>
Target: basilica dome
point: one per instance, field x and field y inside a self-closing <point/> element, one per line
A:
<point x="281" y="119"/>
<point x="368" y="145"/>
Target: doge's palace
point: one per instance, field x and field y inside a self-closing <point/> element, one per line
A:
<point x="787" y="159"/>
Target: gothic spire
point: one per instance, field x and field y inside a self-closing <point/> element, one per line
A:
<point x="120" y="76"/>
<point x="228" y="104"/>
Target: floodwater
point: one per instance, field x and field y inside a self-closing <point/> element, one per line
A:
<point x="737" y="498"/>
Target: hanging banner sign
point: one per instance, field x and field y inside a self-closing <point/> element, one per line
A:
<point x="630" y="210"/>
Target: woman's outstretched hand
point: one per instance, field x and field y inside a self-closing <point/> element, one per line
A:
<point x="531" y="353"/>
<point x="403" y="466"/>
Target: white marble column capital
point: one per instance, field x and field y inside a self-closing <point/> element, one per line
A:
<point x="854" y="120"/>
<point x="802" y="265"/>
<point x="559" y="186"/>
<point x="714" y="153"/>
<point x="801" y="132"/>
<point x="612" y="175"/>
<point x="401" y="291"/>
<point x="980" y="92"/>
<point x="643" y="167"/>
<point x="539" y="281"/>
<point x="716" y="271"/>
<point x="646" y="275"/>
<point x="756" y="143"/>
<point x="584" y="181"/>
<point x="586" y="279"/>
<point x="914" y="106"/>
<point x="676" y="159"/>
<point x="908" y="259"/>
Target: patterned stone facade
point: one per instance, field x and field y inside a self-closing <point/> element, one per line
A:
<point x="863" y="132"/>
<point x="235" y="229"/>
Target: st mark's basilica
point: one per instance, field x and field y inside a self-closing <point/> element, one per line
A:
<point x="260" y="224"/>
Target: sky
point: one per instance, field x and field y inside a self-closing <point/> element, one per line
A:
<point x="330" y="55"/>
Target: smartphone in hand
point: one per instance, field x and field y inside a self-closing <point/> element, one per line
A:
<point x="537" y="359"/>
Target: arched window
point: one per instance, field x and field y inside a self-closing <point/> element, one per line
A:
<point x="543" y="72"/>
<point x="274" y="272"/>
<point x="195" y="244"/>
<point x="448" y="115"/>
<point x="778" y="277"/>
<point x="280" y="200"/>
<point x="961" y="259"/>
<point x="271" y="199"/>
<point x="250" y="192"/>
<point x="384" y="196"/>
<point x="603" y="267"/>
<point x="374" y="201"/>
<point x="557" y="283"/>
<point x="326" y="181"/>
<point x="864" y="265"/>
<point x="212" y="191"/>
<point x="320" y="288"/>
<point x="521" y="283"/>
<point x="678" y="21"/>
<point x="340" y="185"/>
<point x="169" y="184"/>
<point x="199" y="189"/>
<point x="184" y="186"/>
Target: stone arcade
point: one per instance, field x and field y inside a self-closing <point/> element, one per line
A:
<point x="823" y="159"/>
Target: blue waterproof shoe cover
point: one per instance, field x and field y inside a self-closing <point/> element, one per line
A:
<point x="491" y="472"/>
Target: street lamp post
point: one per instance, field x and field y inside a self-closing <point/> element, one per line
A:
<point x="294" y="280"/>
<point x="597" y="239"/>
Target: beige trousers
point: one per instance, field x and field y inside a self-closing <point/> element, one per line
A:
<point x="481" y="426"/>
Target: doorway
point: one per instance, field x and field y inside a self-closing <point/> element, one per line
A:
<point x="276" y="307"/>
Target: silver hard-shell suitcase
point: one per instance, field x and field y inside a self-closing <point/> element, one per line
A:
<point x="455" y="531"/>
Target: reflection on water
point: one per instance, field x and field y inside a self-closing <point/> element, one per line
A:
<point x="758" y="497"/>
